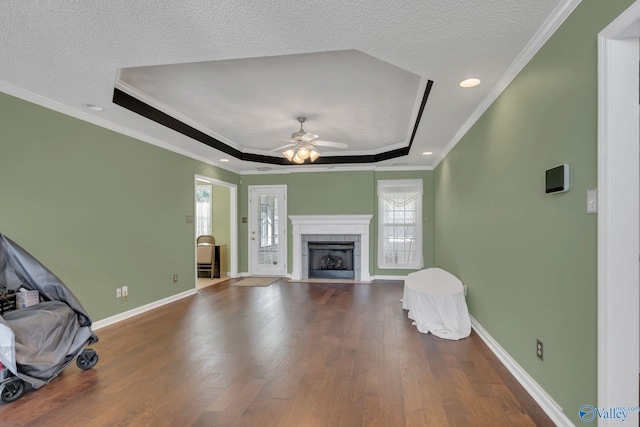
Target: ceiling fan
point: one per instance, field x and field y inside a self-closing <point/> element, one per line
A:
<point x="302" y="145"/>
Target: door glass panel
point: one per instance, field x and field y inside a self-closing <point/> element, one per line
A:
<point x="268" y="226"/>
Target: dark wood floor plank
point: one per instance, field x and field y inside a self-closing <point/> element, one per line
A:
<point x="290" y="354"/>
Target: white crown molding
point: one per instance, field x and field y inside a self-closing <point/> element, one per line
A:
<point x="550" y="25"/>
<point x="98" y="121"/>
<point x="152" y="102"/>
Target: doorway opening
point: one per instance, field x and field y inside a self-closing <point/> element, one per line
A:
<point x="619" y="212"/>
<point x="268" y="226"/>
<point x="216" y="231"/>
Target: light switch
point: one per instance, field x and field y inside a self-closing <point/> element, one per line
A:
<point x="592" y="200"/>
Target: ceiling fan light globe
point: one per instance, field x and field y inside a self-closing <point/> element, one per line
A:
<point x="303" y="153"/>
<point x="313" y="156"/>
<point x="289" y="154"/>
<point x="297" y="159"/>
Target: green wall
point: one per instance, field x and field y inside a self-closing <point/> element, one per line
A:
<point x="99" y="209"/>
<point x="333" y="193"/>
<point x="529" y="259"/>
<point x="221" y="219"/>
<point x="103" y="210"/>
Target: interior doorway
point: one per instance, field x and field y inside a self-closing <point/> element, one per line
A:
<point x="619" y="214"/>
<point x="215" y="207"/>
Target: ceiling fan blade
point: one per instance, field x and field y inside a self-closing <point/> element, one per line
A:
<point x="284" y="146"/>
<point x="331" y="144"/>
<point x="308" y="137"/>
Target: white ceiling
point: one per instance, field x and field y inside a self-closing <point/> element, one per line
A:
<point x="241" y="71"/>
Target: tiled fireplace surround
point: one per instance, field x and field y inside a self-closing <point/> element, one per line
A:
<point x="331" y="228"/>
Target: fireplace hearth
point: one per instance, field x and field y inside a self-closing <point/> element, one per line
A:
<point x="331" y="260"/>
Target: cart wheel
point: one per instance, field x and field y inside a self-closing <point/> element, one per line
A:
<point x="87" y="359"/>
<point x="11" y="390"/>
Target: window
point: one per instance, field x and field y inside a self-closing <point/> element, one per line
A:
<point x="400" y="223"/>
<point x="268" y="221"/>
<point x="203" y="210"/>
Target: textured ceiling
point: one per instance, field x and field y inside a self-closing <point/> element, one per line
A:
<point x="66" y="53"/>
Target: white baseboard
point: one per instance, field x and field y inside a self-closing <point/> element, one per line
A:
<point x="546" y="402"/>
<point x="378" y="277"/>
<point x="139" y="310"/>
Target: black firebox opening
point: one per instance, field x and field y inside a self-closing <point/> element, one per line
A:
<point x="331" y="260"/>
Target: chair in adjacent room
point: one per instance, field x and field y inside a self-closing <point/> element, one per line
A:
<point x="205" y="255"/>
<point x="206" y="239"/>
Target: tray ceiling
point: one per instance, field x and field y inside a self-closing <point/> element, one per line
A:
<point x="241" y="72"/>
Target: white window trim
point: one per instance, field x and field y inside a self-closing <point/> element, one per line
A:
<point x="382" y="184"/>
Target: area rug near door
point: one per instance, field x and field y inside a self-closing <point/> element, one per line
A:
<point x="256" y="281"/>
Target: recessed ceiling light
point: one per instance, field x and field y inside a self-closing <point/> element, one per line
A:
<point x="93" y="107"/>
<point x="427" y="153"/>
<point x="224" y="160"/>
<point x="470" y="83"/>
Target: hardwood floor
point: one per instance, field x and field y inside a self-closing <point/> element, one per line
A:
<point x="205" y="282"/>
<point x="291" y="354"/>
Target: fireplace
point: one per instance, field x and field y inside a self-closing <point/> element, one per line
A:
<point x="331" y="260"/>
<point x="331" y="228"/>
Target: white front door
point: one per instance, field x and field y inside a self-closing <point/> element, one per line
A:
<point x="267" y="230"/>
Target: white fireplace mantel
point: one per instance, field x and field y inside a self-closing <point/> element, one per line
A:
<point x="330" y="224"/>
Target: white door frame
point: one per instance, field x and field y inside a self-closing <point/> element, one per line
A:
<point x="618" y="214"/>
<point x="283" y="211"/>
<point x="233" y="221"/>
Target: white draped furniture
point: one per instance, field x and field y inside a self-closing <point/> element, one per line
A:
<point x="436" y="303"/>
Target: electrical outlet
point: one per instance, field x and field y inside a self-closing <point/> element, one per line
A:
<point x="175" y="278"/>
<point x="539" y="350"/>
<point x="118" y="292"/>
<point x="125" y="291"/>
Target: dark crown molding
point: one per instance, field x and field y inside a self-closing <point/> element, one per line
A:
<point x="133" y="104"/>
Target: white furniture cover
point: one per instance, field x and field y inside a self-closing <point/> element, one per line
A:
<point x="436" y="304"/>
